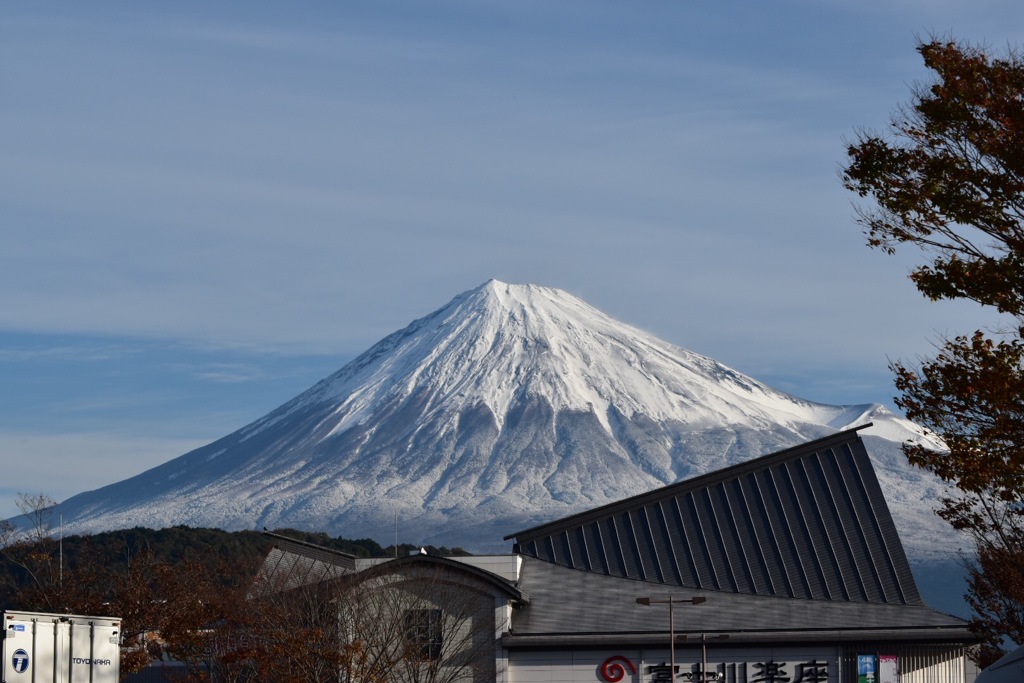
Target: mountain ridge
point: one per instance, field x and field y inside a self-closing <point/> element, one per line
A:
<point x="511" y="404"/>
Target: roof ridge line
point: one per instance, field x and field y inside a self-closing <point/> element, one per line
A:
<point x="699" y="480"/>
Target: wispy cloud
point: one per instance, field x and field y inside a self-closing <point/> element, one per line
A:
<point x="229" y="373"/>
<point x="62" y="465"/>
<point x="258" y="187"/>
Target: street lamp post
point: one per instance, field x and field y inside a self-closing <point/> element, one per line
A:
<point x="670" y="601"/>
<point x="704" y="655"/>
<point x="704" y="658"/>
<point x="704" y="637"/>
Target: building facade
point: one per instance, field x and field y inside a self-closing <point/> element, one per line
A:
<point x="783" y="569"/>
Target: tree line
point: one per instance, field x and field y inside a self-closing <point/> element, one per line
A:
<point x="189" y="594"/>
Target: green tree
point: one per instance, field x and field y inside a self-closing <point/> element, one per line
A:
<point x="948" y="178"/>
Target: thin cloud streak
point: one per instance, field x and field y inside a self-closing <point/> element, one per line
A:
<point x="210" y="208"/>
<point x="89" y="461"/>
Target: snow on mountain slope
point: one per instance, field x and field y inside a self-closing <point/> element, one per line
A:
<point x="511" y="405"/>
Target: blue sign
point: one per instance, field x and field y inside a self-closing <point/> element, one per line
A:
<point x="17" y="627"/>
<point x="866" y="669"/>
<point x="19" y="661"/>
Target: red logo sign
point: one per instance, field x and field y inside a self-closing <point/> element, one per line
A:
<point x="613" y="669"/>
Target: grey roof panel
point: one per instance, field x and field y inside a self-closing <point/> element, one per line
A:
<point x="807" y="522"/>
<point x="291" y="563"/>
<point x="570" y="602"/>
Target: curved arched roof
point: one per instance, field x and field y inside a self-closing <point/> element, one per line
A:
<point x="449" y="565"/>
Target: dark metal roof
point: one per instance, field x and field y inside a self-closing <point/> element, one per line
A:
<point x="568" y="606"/>
<point x="292" y="563"/>
<point x="807" y="522"/>
<point x="419" y="563"/>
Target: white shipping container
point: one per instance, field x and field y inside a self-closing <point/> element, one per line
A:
<point x="60" y="648"/>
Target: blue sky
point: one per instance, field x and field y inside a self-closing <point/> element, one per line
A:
<point x="205" y="208"/>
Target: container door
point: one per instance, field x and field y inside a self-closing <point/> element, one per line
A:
<point x="94" y="652"/>
<point x="32" y="647"/>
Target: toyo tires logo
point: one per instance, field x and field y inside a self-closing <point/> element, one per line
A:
<point x="19" y="661"/>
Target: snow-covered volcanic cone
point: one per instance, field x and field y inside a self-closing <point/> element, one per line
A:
<point x="509" y="406"/>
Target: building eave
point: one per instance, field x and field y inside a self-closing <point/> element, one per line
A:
<point x="915" y="636"/>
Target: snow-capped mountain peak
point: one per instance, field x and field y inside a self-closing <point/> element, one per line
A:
<point x="510" y="405"/>
<point x="499" y="344"/>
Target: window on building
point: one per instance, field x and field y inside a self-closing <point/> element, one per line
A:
<point x="423" y="633"/>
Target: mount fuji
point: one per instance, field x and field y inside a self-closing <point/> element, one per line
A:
<point x="510" y="406"/>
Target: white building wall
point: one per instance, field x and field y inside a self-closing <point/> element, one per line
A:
<point x="502" y="621"/>
<point x="505" y="566"/>
<point x="931" y="666"/>
<point x="617" y="665"/>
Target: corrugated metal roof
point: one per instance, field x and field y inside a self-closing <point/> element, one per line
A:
<point x="807" y="522"/>
<point x="587" y="608"/>
<point x="292" y="563"/>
